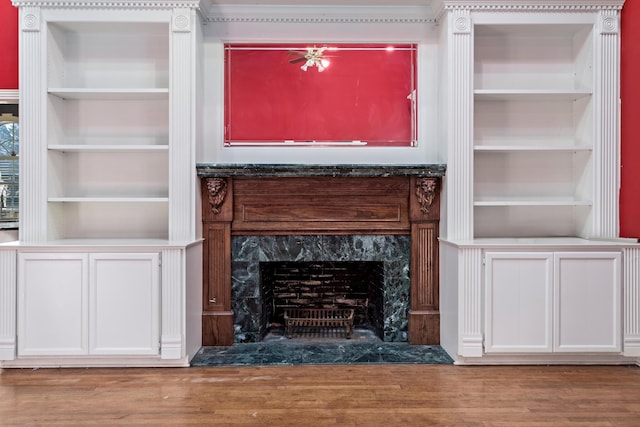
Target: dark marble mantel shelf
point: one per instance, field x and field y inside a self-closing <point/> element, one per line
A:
<point x="223" y="170"/>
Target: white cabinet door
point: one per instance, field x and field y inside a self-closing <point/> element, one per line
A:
<point x="587" y="302"/>
<point x="125" y="303"/>
<point x="52" y="304"/>
<point x="518" y="305"/>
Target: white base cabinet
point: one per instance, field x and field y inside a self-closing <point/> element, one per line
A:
<point x="52" y="304"/>
<point x="540" y="301"/>
<point x="124" y="303"/>
<point x="587" y="302"/>
<point x="136" y="303"/>
<point x="88" y="304"/>
<point x="553" y="302"/>
<point x="518" y="302"/>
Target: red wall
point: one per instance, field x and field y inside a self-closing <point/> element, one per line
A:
<point x="9" y="52"/>
<point x="630" y="188"/>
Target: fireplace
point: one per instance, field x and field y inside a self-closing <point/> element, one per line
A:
<point x="309" y="294"/>
<point x="254" y="215"/>
<point x="369" y="273"/>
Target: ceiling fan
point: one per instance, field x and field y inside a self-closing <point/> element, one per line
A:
<point x="312" y="57"/>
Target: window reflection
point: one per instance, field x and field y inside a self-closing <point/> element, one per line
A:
<point x="9" y="165"/>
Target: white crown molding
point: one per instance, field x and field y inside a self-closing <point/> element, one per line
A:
<point x="109" y="4"/>
<point x="318" y="14"/>
<point x="441" y="6"/>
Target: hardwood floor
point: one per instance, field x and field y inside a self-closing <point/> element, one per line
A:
<point x="346" y="395"/>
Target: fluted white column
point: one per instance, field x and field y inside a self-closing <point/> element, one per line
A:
<point x="470" y="302"/>
<point x="606" y="97"/>
<point x="182" y="173"/>
<point x="459" y="100"/>
<point x="33" y="142"/>
<point x="173" y="328"/>
<point x="8" y="304"/>
<point x="631" y="298"/>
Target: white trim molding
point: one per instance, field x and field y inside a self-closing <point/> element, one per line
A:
<point x="532" y="5"/>
<point x="109" y="4"/>
<point x="8" y="96"/>
<point x="442" y="6"/>
<point x="330" y="14"/>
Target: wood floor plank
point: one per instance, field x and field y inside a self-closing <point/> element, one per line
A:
<point x="346" y="395"/>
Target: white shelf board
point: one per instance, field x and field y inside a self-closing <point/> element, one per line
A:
<point x="108" y="199"/>
<point x="109" y="148"/>
<point x="129" y="244"/>
<point x="531" y="202"/>
<point x="540" y="148"/>
<point x="530" y="94"/>
<point x="110" y="93"/>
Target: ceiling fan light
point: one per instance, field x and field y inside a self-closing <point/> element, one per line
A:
<point x="304" y="67"/>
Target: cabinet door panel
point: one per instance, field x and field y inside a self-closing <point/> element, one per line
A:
<point x="125" y="301"/>
<point x="52" y="304"/>
<point x="518" y="302"/>
<point x="588" y="302"/>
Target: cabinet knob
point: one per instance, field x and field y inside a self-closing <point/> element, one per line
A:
<point x="213" y="300"/>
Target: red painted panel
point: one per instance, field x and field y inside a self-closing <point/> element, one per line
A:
<point x="630" y="87"/>
<point x="271" y="99"/>
<point x="9" y="52"/>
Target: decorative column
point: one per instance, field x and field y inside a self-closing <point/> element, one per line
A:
<point x="8" y="301"/>
<point x="217" y="214"/>
<point x="606" y="144"/>
<point x="424" y="215"/>
<point x="631" y="302"/>
<point x="33" y="131"/>
<point x="470" y="339"/>
<point x="172" y="339"/>
<point x="459" y="128"/>
<point x="182" y="158"/>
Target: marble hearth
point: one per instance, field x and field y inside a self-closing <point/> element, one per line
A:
<point x="264" y="213"/>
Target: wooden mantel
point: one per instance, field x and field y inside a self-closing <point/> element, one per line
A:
<point x="319" y="199"/>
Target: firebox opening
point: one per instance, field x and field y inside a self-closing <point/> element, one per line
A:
<point x="357" y="285"/>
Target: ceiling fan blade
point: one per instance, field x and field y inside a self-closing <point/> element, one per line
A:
<point x="297" y="60"/>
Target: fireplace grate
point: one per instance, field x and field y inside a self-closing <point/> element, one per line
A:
<point x="318" y="318"/>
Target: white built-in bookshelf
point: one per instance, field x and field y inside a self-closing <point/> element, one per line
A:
<point x="107" y="130"/>
<point x="107" y="190"/>
<point x="533" y="130"/>
<point x="532" y="266"/>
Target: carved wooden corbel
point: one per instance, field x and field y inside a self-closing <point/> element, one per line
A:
<point x="426" y="190"/>
<point x="217" y="189"/>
